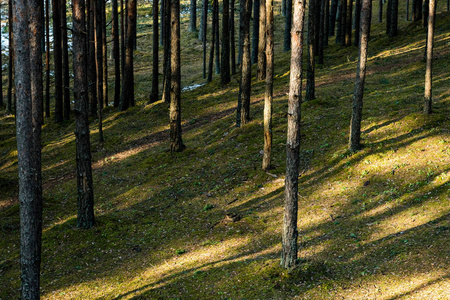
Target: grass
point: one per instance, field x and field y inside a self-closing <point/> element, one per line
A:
<point x="372" y="225"/>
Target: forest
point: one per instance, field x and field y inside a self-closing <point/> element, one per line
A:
<point x="252" y="149"/>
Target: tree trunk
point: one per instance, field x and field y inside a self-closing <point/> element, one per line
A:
<point x="225" y="59"/>
<point x="99" y="63"/>
<point x="176" y="141"/>
<point x="341" y="20"/>
<point x="65" y="57"/>
<point x="211" y="50"/>
<point x="310" y="84"/>
<point x="348" y="23"/>
<point x="417" y="10"/>
<point x="425" y="12"/>
<point x="240" y="38"/>
<point x="321" y="31"/>
<point x="9" y="108"/>
<point x="261" y="72"/>
<point x="246" y="68"/>
<point x="232" y="39"/>
<point x="380" y="11"/>
<point x="407" y="10"/>
<point x="57" y="56"/>
<point x="392" y="18"/>
<point x="326" y="23"/>
<point x="28" y="126"/>
<point x="116" y="51"/>
<point x="104" y="56"/>
<point x="290" y="231"/>
<point x="85" y="191"/>
<point x="203" y="19"/>
<point x="255" y="33"/>
<point x="204" y="27"/>
<point x="428" y="96"/>
<point x="155" y="74"/>
<point x="287" y="26"/>
<point x="333" y="12"/>
<point x="163" y="22"/>
<point x="92" y="71"/>
<point x="355" y="125"/>
<point x="122" y="37"/>
<point x="193" y="16"/>
<point x="357" y="21"/>
<point x="47" y="59"/>
<point x="268" y="96"/>
<point x="166" y="59"/>
<point x="1" y="69"/>
<point x="127" y="96"/>
<point x="216" y="32"/>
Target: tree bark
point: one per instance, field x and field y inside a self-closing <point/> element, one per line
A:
<point x="380" y="11"/>
<point x="193" y="16"/>
<point x="167" y="50"/>
<point x="232" y="39"/>
<point x="116" y="51"/>
<point x="211" y="50"/>
<point x="392" y="18"/>
<point x="99" y="63"/>
<point x="326" y="23"/>
<point x="154" y="95"/>
<point x="203" y="19"/>
<point x="310" y="84"/>
<point x="57" y="56"/>
<point x="255" y="32"/>
<point x="176" y="141"/>
<point x="243" y="110"/>
<point x="341" y="20"/>
<point x="65" y="60"/>
<point x="355" y="125"/>
<point x="333" y="12"/>
<point x="204" y="30"/>
<point x="425" y="12"/>
<point x="9" y="106"/>
<point x="321" y="31"/>
<point x="357" y="21"/>
<point x="417" y="10"/>
<point x="268" y="96"/>
<point x="47" y="59"/>
<point x="127" y="96"/>
<point x="92" y="71"/>
<point x="225" y="59"/>
<point x="428" y="96"/>
<point x="261" y="71"/>
<point x="290" y="231"/>
<point x="85" y="190"/>
<point x="104" y="56"/>
<point x="287" y="26"/>
<point x="28" y="127"/>
<point x="216" y="32"/>
<point x="1" y="70"/>
<point x="348" y="23"/>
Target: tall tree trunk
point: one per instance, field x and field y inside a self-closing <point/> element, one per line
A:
<point x="47" y="59"/>
<point x="216" y="32"/>
<point x="116" y="51"/>
<point x="255" y="33"/>
<point x="127" y="96"/>
<point x="310" y="70"/>
<point x="85" y="190"/>
<point x="203" y="19"/>
<point x="290" y="231"/>
<point x="167" y="50"/>
<point x="321" y="31"/>
<point x="425" y="12"/>
<point x="122" y="37"/>
<point x="355" y="125"/>
<point x="417" y="10"/>
<point x="154" y="94"/>
<point x="326" y="23"/>
<point x="211" y="50"/>
<point x="28" y="126"/>
<point x="380" y="11"/>
<point x="240" y="38"/>
<point x="341" y="20"/>
<point x="204" y="27"/>
<point x="57" y="56"/>
<point x="246" y="68"/>
<point x="9" y="108"/>
<point x="104" y="56"/>
<point x="407" y="10"/>
<point x="163" y="22"/>
<point x="348" y="23"/>
<point x="261" y="72"/>
<point x="287" y="26"/>
<point x="65" y="60"/>
<point x="232" y="39"/>
<point x="333" y="12"/>
<point x="99" y="63"/>
<point x="357" y="21"/>
<point x="428" y="96"/>
<point x="268" y="95"/>
<point x="283" y="8"/>
<point x="176" y="141"/>
<point x="1" y="68"/>
<point x="193" y="16"/>
<point x="92" y="71"/>
<point x="392" y="18"/>
<point x="225" y="59"/>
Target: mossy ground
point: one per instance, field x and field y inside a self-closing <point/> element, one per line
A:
<point x="373" y="224"/>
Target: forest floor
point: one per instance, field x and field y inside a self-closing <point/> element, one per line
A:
<point x="372" y="225"/>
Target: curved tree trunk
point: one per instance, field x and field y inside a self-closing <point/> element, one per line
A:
<point x="355" y="124"/>
<point x="290" y="231"/>
<point x="428" y="96"/>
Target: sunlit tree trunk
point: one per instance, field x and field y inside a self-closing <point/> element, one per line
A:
<point x="429" y="65"/>
<point x="261" y="71"/>
<point x="85" y="190"/>
<point x="268" y="96"/>
<point x="225" y="59"/>
<point x="290" y="231"/>
<point x="155" y="82"/>
<point x="176" y="141"/>
<point x="355" y="124"/>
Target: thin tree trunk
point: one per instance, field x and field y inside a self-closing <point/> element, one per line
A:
<point x="428" y="96"/>
<point x="204" y="27"/>
<point x="155" y="83"/>
<point x="203" y="19"/>
<point x="122" y="37"/>
<point x="9" y="108"/>
<point x="246" y="69"/>
<point x="425" y="12"/>
<point x="333" y="12"/>
<point x="407" y="10"/>
<point x="261" y="72"/>
<point x="47" y="59"/>
<point x="355" y="125"/>
<point x="85" y="190"/>
<point x="310" y="82"/>
<point x="216" y="32"/>
<point x="348" y="23"/>
<point x="287" y="26"/>
<point x="92" y="71"/>
<point x="380" y="11"/>
<point x="290" y="231"/>
<point x="28" y="127"/>
<point x="193" y="16"/>
<point x="104" y="56"/>
<point x="167" y="50"/>
<point x="65" y="60"/>
<point x="99" y="64"/>
<point x="283" y="8"/>
<point x="1" y="67"/>
<point x="57" y="56"/>
<point x="268" y="96"/>
<point x="116" y="52"/>
<point x="357" y="21"/>
<point x="163" y="22"/>
<point x="255" y="33"/>
<point x="321" y="31"/>
<point x="392" y="18"/>
<point x="225" y="59"/>
<point x="176" y="141"/>
<point x="417" y="10"/>
<point x="326" y="23"/>
<point x="240" y="38"/>
<point x="127" y="96"/>
<point x="232" y="38"/>
<point x="341" y="19"/>
<point x="211" y="50"/>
